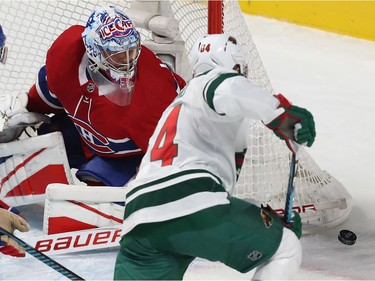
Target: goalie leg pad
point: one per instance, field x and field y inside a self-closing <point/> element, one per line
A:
<point x="27" y="166"/>
<point x="74" y="207"/>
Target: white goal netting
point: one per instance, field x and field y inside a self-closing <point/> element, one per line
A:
<point x="31" y="26"/>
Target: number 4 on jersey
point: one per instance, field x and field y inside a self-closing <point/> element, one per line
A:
<point x="164" y="148"/>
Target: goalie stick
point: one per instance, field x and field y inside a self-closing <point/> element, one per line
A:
<point x="43" y="258"/>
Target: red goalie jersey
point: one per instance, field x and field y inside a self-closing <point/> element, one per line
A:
<point x="106" y="129"/>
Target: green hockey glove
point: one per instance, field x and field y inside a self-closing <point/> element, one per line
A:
<point x="295" y="124"/>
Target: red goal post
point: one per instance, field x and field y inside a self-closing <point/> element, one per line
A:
<point x="215" y="17"/>
<point x="32" y="25"/>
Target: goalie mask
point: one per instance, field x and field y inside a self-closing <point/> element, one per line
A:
<point x="215" y="50"/>
<point x="113" y="47"/>
<point x="3" y="48"/>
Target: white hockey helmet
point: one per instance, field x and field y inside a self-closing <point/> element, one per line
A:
<point x="112" y="44"/>
<point x="215" y="50"/>
<point x="3" y="48"/>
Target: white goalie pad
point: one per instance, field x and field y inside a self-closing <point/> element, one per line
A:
<point x="74" y="207"/>
<point x="27" y="166"/>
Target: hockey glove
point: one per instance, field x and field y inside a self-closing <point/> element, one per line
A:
<point x="295" y="224"/>
<point x="11" y="104"/>
<point x="295" y="124"/>
<point x="10" y="221"/>
<point x="15" y="118"/>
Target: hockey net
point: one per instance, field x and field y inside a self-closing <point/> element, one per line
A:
<point x="31" y="26"/>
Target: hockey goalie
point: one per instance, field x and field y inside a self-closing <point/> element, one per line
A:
<point x="104" y="102"/>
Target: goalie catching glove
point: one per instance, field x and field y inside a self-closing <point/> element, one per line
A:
<point x="10" y="221"/>
<point x="15" y="117"/>
<point x="295" y="124"/>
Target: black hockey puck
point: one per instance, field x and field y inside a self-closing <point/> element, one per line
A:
<point x="347" y="237"/>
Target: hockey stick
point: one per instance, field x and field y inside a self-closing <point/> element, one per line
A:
<point x="291" y="188"/>
<point x="43" y="258"/>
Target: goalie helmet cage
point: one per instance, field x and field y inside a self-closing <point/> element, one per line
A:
<point x="31" y="26"/>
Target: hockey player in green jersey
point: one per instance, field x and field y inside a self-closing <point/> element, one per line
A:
<point x="179" y="206"/>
